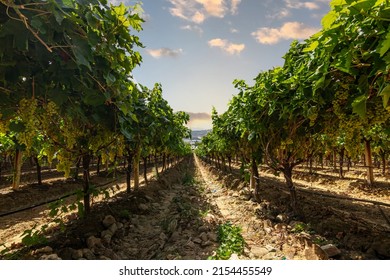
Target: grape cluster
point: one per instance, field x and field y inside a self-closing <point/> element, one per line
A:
<point x="26" y="115"/>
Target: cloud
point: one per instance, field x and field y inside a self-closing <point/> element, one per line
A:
<point x="234" y="30"/>
<point x="199" y="10"/>
<point x="324" y="1"/>
<point x="199" y="116"/>
<point x="214" y="8"/>
<point x="195" y="28"/>
<point x="199" y="121"/>
<point x="285" y="9"/>
<point x="234" y="6"/>
<point x="297" y="4"/>
<point x="164" y="52"/>
<point x="289" y="30"/>
<point x="198" y="17"/>
<point x="281" y="13"/>
<point x="225" y="45"/>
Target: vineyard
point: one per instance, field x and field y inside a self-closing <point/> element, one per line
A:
<point x="93" y="165"/>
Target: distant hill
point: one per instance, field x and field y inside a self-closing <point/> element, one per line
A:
<point x="198" y="134"/>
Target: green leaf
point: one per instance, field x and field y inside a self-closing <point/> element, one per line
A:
<point x="21" y="42"/>
<point x="385" y="93"/>
<point x="17" y="127"/>
<point x="110" y="79"/>
<point x="336" y="3"/>
<point x="380" y="2"/>
<point x="128" y="135"/>
<point x="65" y="3"/>
<point x="329" y="19"/>
<point x="362" y="5"/>
<point x="80" y="58"/>
<point x="134" y="117"/>
<point x="82" y="51"/>
<point x="93" y="98"/>
<point x="38" y="24"/>
<point x="359" y="106"/>
<point x="311" y="47"/>
<point x="58" y="97"/>
<point x="59" y="16"/>
<point x="384" y="45"/>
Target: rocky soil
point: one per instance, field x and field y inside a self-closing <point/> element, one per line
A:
<point x="177" y="217"/>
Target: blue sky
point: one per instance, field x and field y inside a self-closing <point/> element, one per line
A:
<point x="196" y="48"/>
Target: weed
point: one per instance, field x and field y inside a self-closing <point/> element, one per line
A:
<point x="33" y="237"/>
<point x="124" y="214"/>
<point x="204" y="213"/>
<point x="9" y="253"/>
<point x="230" y="240"/>
<point x="299" y="227"/>
<point x="188" y="180"/>
<point x="184" y="208"/>
<point x="169" y="225"/>
<point x="320" y="240"/>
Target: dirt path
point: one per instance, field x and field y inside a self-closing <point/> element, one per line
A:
<point x="264" y="239"/>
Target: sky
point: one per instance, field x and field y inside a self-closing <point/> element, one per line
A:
<point x="197" y="48"/>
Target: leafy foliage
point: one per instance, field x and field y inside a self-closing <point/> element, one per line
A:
<point x="230" y="240"/>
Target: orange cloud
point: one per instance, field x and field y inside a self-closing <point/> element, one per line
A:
<point x="289" y="30"/>
<point x="225" y="45"/>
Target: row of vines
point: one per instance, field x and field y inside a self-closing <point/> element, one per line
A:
<point x="330" y="98"/>
<point x="67" y="92"/>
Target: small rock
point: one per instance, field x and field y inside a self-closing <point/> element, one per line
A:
<point x="259" y="251"/>
<point x="203" y="229"/>
<point x="77" y="254"/>
<point x="280" y="227"/>
<point x="246" y="197"/>
<point x="87" y="253"/>
<point x="108" y="221"/>
<point x="93" y="242"/>
<point x="66" y="253"/>
<point x="113" y="228"/>
<point x="212" y="236"/>
<point x="203" y="236"/>
<point x="143" y="207"/>
<point x="50" y="257"/>
<point x="281" y="218"/>
<point x="267" y="224"/>
<point x="382" y="248"/>
<point x="313" y="251"/>
<point x="331" y="250"/>
<point x="110" y="254"/>
<point x="206" y="244"/>
<point x="270" y="248"/>
<point x="105" y="232"/>
<point x="44" y="250"/>
<point x="175" y="236"/>
<point x="197" y="240"/>
<point x="119" y="225"/>
<point x="269" y="256"/>
<point x="268" y="230"/>
<point x="107" y="238"/>
<point x="234" y="257"/>
<point x="210" y="218"/>
<point x="190" y="245"/>
<point x="163" y="236"/>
